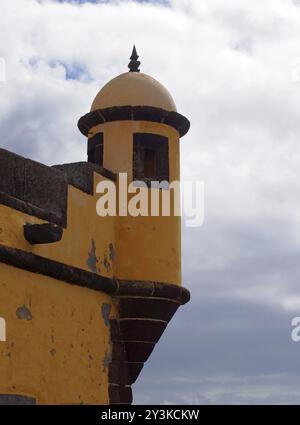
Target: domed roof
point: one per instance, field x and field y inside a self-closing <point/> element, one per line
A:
<point x="134" y="89"/>
<point x="134" y="96"/>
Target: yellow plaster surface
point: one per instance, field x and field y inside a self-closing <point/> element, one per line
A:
<point x="57" y="345"/>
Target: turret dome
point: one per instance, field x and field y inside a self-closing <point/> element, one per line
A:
<point x="134" y="89"/>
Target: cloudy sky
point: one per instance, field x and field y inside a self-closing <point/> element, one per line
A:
<point x="233" y="68"/>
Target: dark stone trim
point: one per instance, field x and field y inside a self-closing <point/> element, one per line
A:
<point x="76" y="276"/>
<point x="138" y="351"/>
<point x="42" y="233"/>
<point x="119" y="394"/>
<point x="41" y="191"/>
<point x="118" y="351"/>
<point x="73" y="275"/>
<point x="29" y="209"/>
<point x="33" y="188"/>
<point x="134" y="113"/>
<point x="81" y="174"/>
<point x="124" y="373"/>
<point x="142" y="330"/>
<point x="154" y="308"/>
<point x="153" y="289"/>
<point x="139" y="326"/>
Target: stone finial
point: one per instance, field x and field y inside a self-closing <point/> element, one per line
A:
<point x="134" y="63"/>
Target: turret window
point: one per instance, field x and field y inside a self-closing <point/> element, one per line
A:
<point x="149" y="163"/>
<point x="95" y="149"/>
<point x="150" y="157"/>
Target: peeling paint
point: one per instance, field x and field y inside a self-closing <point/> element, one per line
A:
<point x="106" y="309"/>
<point x="112" y="253"/>
<point x="106" y="361"/>
<point x="92" y="260"/>
<point x="23" y="313"/>
<point x="106" y="262"/>
<point x="16" y="400"/>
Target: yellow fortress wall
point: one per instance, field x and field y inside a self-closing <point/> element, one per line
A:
<point x="57" y="340"/>
<point x="86" y="298"/>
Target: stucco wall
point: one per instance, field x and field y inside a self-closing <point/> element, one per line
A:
<point x="147" y="248"/>
<point x="58" y="344"/>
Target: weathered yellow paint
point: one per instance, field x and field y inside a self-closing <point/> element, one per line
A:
<point x="59" y="355"/>
<point x="76" y="247"/>
<point x="135" y="89"/>
<point x="147" y="248"/>
<point x="57" y="346"/>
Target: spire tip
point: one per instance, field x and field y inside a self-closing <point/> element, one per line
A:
<point x="134" y="62"/>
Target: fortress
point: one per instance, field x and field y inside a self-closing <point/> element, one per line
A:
<point x="84" y="299"/>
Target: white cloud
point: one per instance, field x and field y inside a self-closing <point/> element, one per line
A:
<point x="233" y="69"/>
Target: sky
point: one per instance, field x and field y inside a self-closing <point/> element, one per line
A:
<point x="233" y="69"/>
